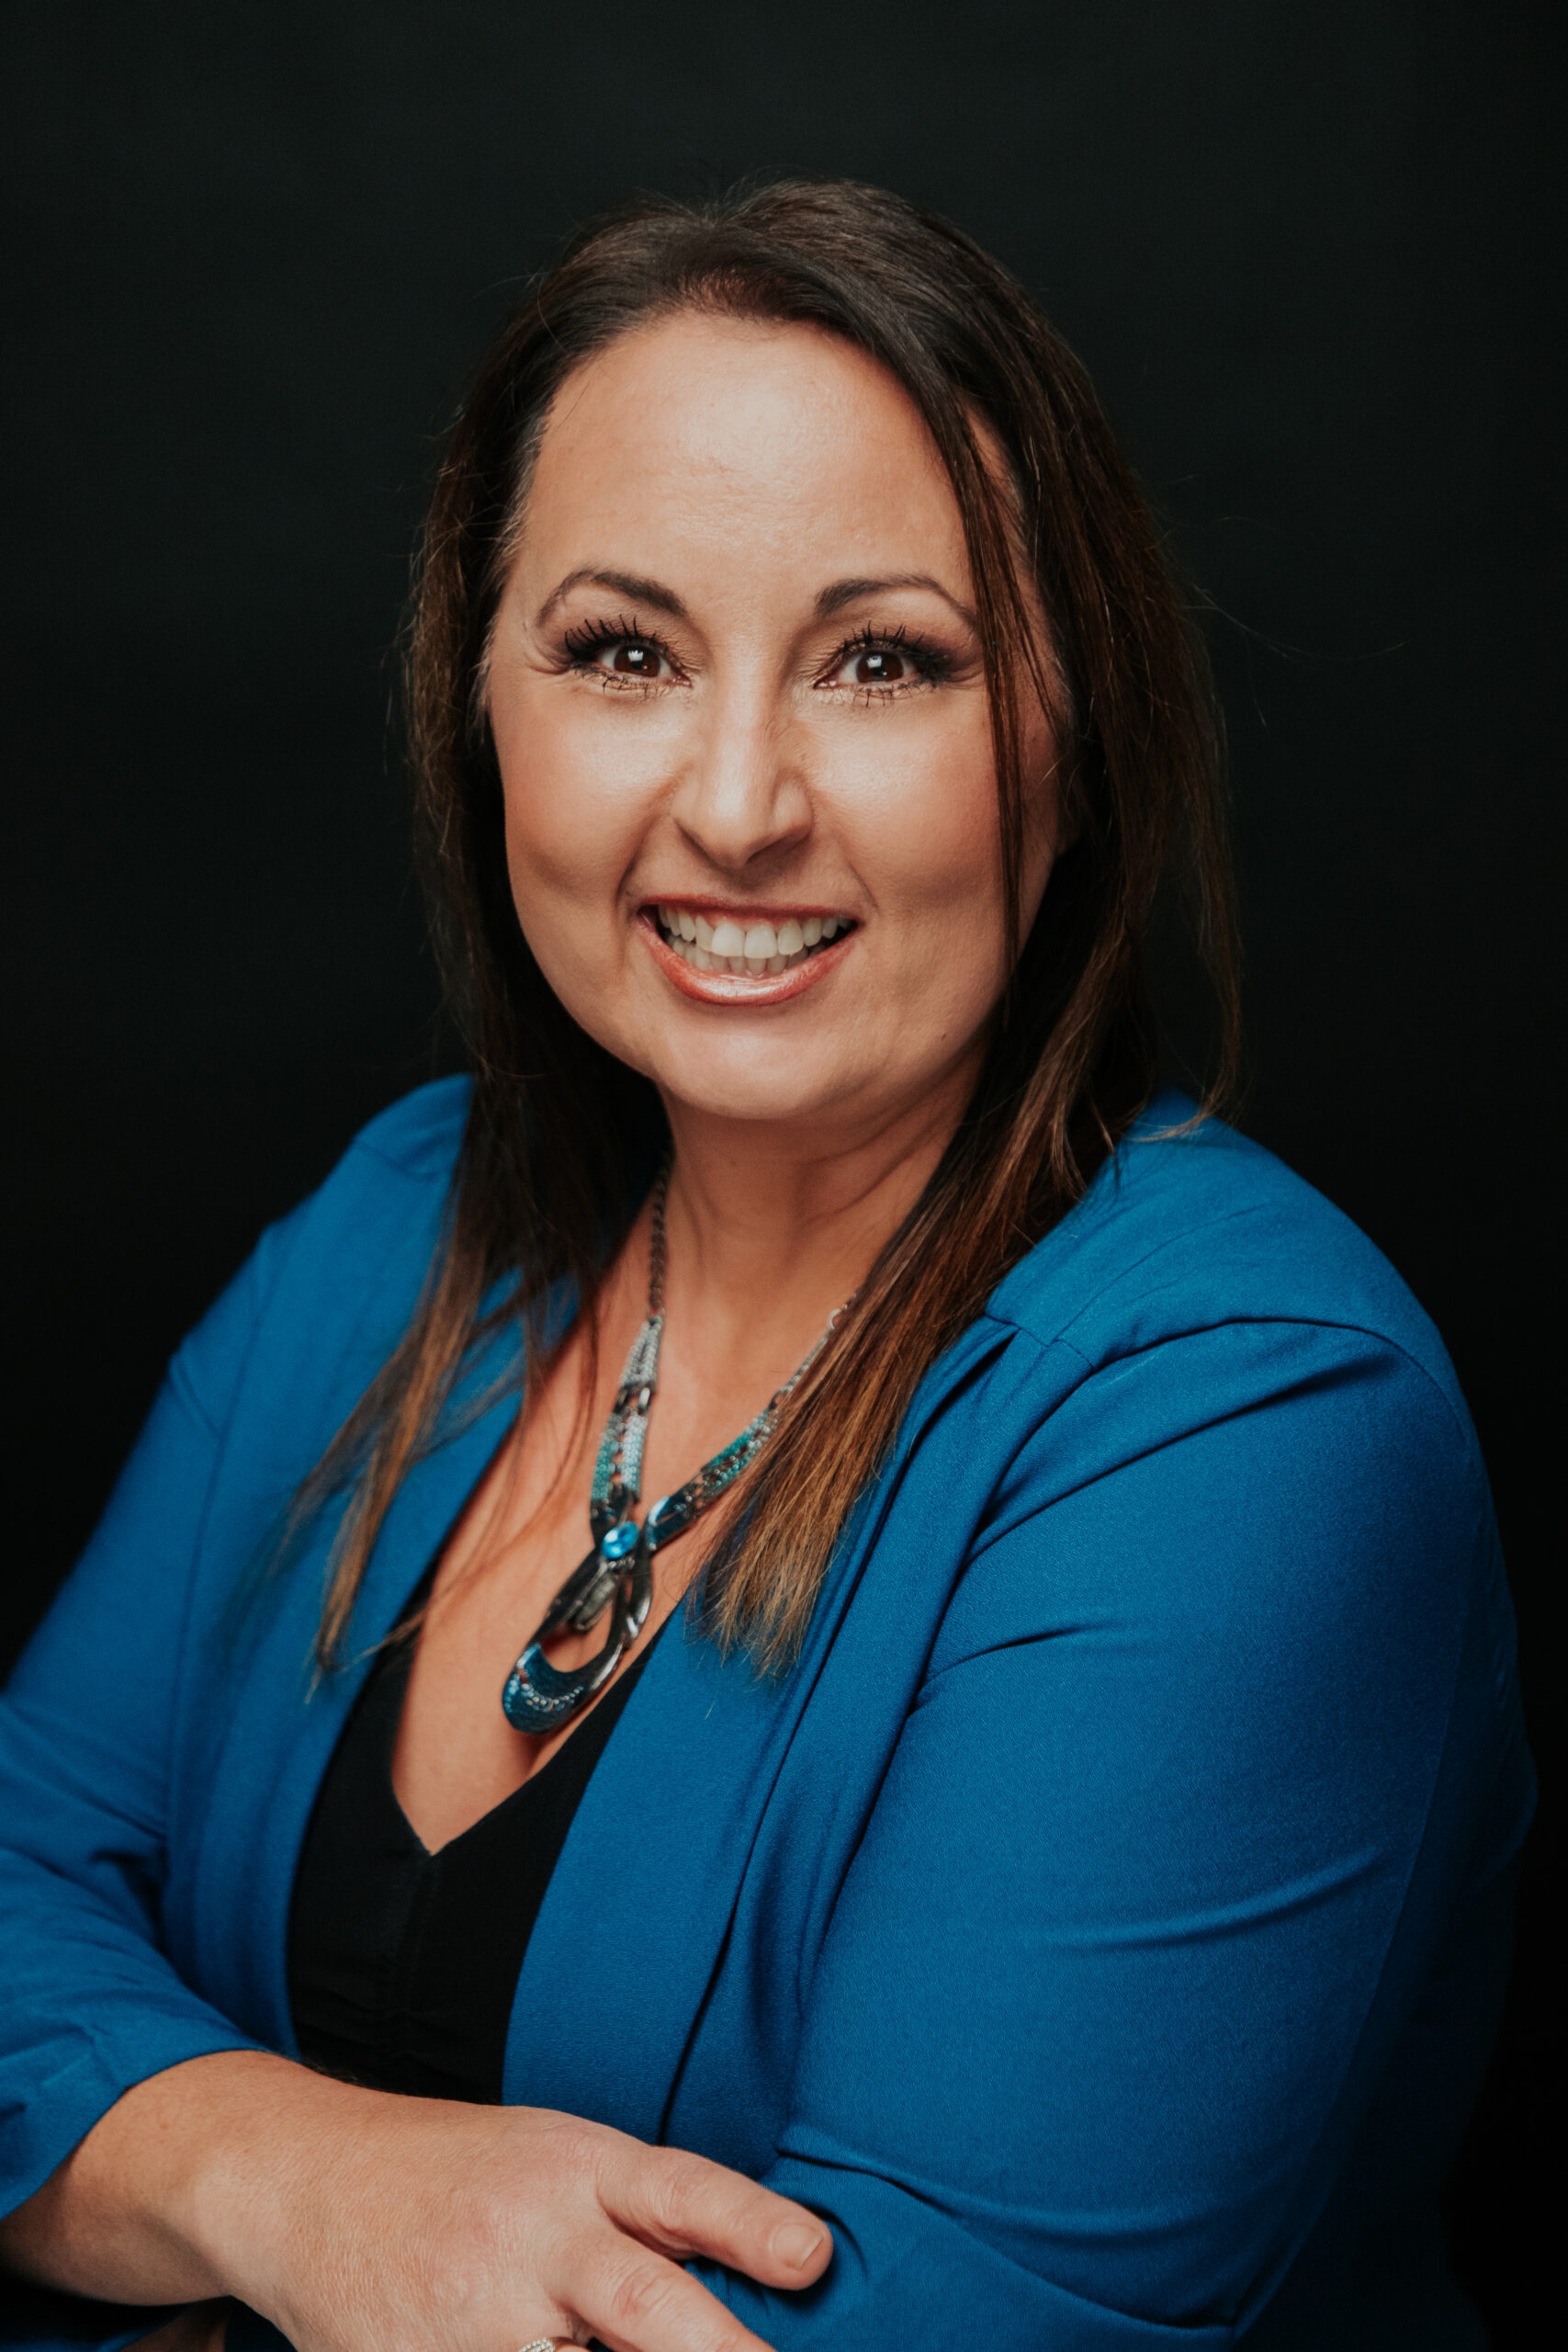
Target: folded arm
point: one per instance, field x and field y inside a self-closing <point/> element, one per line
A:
<point x="1136" y="1921"/>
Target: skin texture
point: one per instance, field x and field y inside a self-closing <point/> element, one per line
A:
<point x="699" y="694"/>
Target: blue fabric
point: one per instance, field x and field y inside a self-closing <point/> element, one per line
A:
<point x="1101" y="1924"/>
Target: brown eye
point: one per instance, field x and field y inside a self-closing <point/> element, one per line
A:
<point x="636" y="661"/>
<point x="880" y="666"/>
<point x="883" y="667"/>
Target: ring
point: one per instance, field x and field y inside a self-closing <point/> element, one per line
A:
<point x="538" y="2343"/>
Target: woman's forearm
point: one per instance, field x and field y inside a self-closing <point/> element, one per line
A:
<point x="350" y="2217"/>
<point x="151" y="2206"/>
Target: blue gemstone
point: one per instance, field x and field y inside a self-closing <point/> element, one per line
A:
<point x="617" y="1542"/>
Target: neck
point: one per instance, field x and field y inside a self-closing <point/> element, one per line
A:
<point x="772" y="1225"/>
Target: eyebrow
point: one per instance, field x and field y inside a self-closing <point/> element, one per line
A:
<point x="850" y="592"/>
<point x="637" y="590"/>
<point x="629" y="584"/>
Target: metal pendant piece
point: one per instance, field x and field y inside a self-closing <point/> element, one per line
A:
<point x="539" y="1698"/>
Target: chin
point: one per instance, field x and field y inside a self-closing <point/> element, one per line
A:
<point x="756" y="1087"/>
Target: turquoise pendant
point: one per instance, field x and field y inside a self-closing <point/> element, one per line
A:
<point x="539" y="1698"/>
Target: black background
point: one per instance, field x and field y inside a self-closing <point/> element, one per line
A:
<point x="1307" y="252"/>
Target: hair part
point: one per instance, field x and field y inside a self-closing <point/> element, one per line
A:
<point x="545" y="1187"/>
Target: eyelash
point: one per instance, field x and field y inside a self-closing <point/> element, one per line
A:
<point x="592" y="636"/>
<point x="933" y="664"/>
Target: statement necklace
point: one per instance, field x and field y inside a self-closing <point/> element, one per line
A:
<point x="618" y="1572"/>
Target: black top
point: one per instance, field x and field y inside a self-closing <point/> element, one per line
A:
<point x="402" y="1963"/>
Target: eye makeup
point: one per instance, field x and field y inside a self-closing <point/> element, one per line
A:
<point x="876" y="652"/>
<point x="888" y="663"/>
<point x="590" y="637"/>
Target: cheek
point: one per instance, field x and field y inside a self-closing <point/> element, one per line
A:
<point x="563" y="869"/>
<point x="567" y="843"/>
<point x="929" y="836"/>
<point x="574" y="805"/>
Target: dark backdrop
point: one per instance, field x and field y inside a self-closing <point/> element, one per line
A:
<point x="1305" y="251"/>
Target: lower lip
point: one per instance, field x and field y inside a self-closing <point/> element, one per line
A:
<point x="742" y="987"/>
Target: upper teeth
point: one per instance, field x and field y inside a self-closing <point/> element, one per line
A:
<point x="725" y="946"/>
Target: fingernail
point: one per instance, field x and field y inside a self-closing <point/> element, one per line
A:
<point x="796" y="2243"/>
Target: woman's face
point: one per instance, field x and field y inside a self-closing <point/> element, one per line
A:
<point x="742" y="725"/>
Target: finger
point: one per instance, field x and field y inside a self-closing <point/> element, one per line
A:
<point x="683" y="2204"/>
<point x="635" y="2300"/>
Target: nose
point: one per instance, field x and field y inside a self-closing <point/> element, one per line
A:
<point x="743" y="798"/>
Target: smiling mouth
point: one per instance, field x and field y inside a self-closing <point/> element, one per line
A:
<point x="712" y="942"/>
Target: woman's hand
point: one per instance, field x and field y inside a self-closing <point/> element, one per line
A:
<point x="357" y="2221"/>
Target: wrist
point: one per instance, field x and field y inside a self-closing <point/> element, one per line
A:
<point x="255" y="2167"/>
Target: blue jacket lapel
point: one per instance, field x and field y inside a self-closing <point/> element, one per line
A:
<point x="642" y="1898"/>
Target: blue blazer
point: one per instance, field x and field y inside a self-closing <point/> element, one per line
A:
<point x="1102" y="1924"/>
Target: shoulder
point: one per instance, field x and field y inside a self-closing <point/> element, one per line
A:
<point x="397" y="1169"/>
<point x="328" y="1290"/>
<point x="373" y="1224"/>
<point x="1206" y="1331"/>
<point x="1229" y="1418"/>
<point x="415" y="1138"/>
<point x="1191" y="1227"/>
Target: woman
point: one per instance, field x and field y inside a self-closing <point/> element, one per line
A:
<point x="1050" y="1885"/>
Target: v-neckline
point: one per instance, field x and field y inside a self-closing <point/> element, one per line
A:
<point x="386" y="1694"/>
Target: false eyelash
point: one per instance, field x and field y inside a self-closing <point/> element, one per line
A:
<point x="589" y="636"/>
<point x="933" y="661"/>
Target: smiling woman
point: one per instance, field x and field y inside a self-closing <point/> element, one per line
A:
<point x="791" y="701"/>
<point x="1055" y="1884"/>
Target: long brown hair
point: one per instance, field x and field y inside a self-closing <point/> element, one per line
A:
<point x="544" y="1187"/>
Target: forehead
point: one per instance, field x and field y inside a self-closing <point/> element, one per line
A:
<point x="703" y="432"/>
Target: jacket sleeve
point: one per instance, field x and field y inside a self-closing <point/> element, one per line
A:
<point x="1174" y="1829"/>
<point x="91" y="2005"/>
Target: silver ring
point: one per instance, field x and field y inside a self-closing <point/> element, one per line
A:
<point x="538" y="2343"/>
